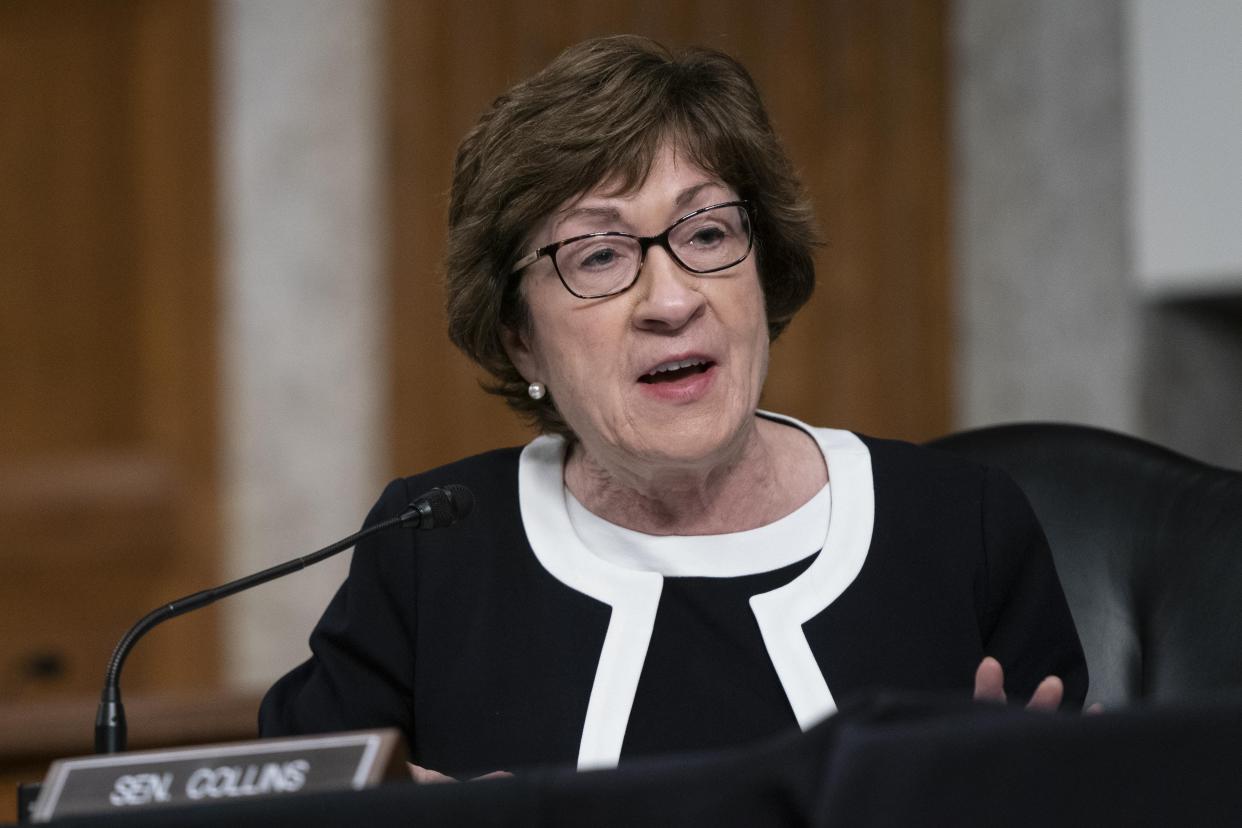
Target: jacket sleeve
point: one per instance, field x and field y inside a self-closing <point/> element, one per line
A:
<point x="1026" y="622"/>
<point x="361" y="670"/>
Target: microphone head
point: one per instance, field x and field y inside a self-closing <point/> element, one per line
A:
<point x="440" y="507"/>
<point x="461" y="500"/>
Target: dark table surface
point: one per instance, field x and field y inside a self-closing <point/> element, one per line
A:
<point x="889" y="761"/>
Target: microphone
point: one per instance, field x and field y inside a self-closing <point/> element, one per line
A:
<point x="440" y="507"/>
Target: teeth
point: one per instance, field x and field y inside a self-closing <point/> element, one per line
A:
<point x="675" y="366"/>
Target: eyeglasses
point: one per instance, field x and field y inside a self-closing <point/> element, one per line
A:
<point x="595" y="265"/>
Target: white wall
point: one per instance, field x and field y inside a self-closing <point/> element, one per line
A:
<point x="1185" y="71"/>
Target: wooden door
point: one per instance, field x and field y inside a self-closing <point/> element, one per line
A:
<point x="107" y="359"/>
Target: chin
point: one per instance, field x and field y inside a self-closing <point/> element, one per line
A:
<point x="691" y="441"/>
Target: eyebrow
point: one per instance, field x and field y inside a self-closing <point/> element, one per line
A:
<point x="613" y="214"/>
<point x="688" y="195"/>
<point x="609" y="213"/>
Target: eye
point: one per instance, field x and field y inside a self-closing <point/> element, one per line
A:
<point x="704" y="233"/>
<point x="708" y="235"/>
<point x="598" y="255"/>
<point x="599" y="258"/>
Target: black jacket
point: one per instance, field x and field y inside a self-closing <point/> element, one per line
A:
<point x="466" y="641"/>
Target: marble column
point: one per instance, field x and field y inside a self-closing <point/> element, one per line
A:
<point x="1053" y="321"/>
<point x="1046" y="308"/>
<point x="302" y="343"/>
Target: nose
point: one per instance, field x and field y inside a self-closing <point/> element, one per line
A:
<point x="668" y="298"/>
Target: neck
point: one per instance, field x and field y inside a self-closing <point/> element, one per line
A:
<point x="768" y="472"/>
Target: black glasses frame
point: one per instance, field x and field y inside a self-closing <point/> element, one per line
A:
<point x="644" y="244"/>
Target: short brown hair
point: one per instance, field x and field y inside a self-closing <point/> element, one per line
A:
<point x="600" y="112"/>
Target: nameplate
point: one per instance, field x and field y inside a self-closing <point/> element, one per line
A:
<point x="134" y="781"/>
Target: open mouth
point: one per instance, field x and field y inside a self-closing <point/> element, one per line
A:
<point x="676" y="370"/>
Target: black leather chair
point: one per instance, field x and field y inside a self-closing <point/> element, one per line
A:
<point x="1148" y="545"/>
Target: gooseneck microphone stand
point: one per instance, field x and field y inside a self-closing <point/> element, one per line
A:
<point x="439" y="507"/>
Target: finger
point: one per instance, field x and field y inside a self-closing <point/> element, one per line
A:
<point x="493" y="775"/>
<point x="990" y="681"/>
<point x="1047" y="695"/>
<point x="1095" y="709"/>
<point x="425" y="776"/>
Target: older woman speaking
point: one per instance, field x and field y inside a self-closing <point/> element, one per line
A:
<point x="666" y="567"/>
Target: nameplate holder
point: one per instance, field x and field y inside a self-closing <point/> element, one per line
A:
<point x="141" y="780"/>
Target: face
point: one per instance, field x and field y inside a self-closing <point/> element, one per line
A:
<point x="668" y="372"/>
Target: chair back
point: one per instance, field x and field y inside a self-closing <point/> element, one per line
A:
<point x="1148" y="546"/>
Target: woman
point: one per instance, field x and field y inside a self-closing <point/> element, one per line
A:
<point x="665" y="568"/>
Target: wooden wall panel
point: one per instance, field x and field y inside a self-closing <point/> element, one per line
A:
<point x="857" y="91"/>
<point x="108" y="500"/>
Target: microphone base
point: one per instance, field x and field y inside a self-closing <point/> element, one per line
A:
<point x="110" y="729"/>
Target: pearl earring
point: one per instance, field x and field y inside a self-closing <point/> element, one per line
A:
<point x="536" y="390"/>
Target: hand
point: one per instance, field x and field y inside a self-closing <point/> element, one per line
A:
<point x="423" y="775"/>
<point x="990" y="687"/>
